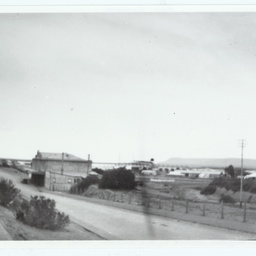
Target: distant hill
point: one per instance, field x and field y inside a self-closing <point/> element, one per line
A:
<point x="210" y="162"/>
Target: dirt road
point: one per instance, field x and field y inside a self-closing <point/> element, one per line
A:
<point x="115" y="223"/>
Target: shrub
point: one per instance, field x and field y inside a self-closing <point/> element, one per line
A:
<point x="4" y="163"/>
<point x="118" y="179"/>
<point x="230" y="184"/>
<point x="8" y="192"/>
<point x="249" y="185"/>
<point x="25" y="181"/>
<point x="139" y="183"/>
<point x="223" y="182"/>
<point x="253" y="190"/>
<point x="85" y="183"/>
<point x="234" y="185"/>
<point x="198" y="188"/>
<point x="227" y="199"/>
<point x="98" y="170"/>
<point x="14" y="205"/>
<point x="209" y="190"/>
<point x="40" y="212"/>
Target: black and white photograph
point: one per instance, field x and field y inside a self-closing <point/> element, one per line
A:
<point x="128" y="126"/>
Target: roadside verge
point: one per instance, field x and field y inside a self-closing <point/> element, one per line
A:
<point x="4" y="235"/>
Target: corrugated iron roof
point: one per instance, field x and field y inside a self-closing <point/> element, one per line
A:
<point x="57" y="156"/>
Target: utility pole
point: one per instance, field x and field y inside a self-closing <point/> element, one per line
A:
<point x="241" y="176"/>
<point x="62" y="163"/>
<point x="88" y="165"/>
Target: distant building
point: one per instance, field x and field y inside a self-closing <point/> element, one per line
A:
<point x="60" y="170"/>
<point x="149" y="172"/>
<point x="143" y="165"/>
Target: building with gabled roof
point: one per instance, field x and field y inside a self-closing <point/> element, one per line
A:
<point x="61" y="170"/>
<point x="57" y="156"/>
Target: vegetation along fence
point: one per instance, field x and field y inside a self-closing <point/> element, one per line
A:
<point x="213" y="210"/>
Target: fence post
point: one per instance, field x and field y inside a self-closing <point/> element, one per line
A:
<point x="172" y="205"/>
<point x="138" y="201"/>
<point x="122" y="197"/>
<point x="222" y="210"/>
<point x="114" y="196"/>
<point x="186" y="206"/>
<point x="148" y="202"/>
<point x="244" y="220"/>
<point x="204" y="209"/>
<point x="159" y="203"/>
<point x="130" y="198"/>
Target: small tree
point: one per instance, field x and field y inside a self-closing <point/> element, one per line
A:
<point x="226" y="199"/>
<point x="85" y="183"/>
<point x="98" y="170"/>
<point x="230" y="171"/>
<point x="118" y="179"/>
<point x="8" y="192"/>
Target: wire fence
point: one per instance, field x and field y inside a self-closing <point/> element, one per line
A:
<point x="213" y="210"/>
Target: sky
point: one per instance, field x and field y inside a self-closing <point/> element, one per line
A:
<point x="128" y="86"/>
